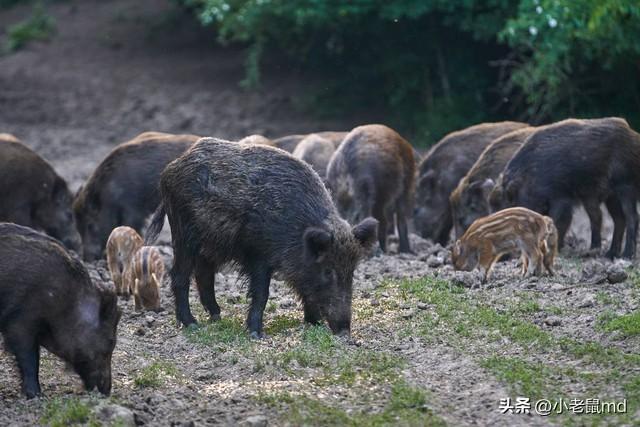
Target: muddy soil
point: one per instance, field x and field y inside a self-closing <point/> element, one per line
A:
<point x="118" y="68"/>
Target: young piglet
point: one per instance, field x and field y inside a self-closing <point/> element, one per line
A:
<point x="121" y="246"/>
<point x="509" y="231"/>
<point x="144" y="276"/>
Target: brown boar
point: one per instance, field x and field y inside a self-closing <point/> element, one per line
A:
<point x="316" y="151"/>
<point x="48" y="300"/>
<point x="510" y="231"/>
<point x="470" y="200"/>
<point x="442" y="169"/>
<point x="256" y="139"/>
<point x="373" y="174"/>
<point x="123" y="243"/>
<point x="290" y="142"/>
<point x="123" y="190"/>
<point x="267" y="212"/>
<point x="578" y="161"/>
<point x="33" y="194"/>
<point x="144" y="277"/>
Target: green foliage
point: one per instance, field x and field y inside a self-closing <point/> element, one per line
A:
<point x="220" y="335"/>
<point x="64" y="412"/>
<point x="628" y="325"/>
<point x="431" y="65"/>
<point x="155" y="374"/>
<point x="38" y="27"/>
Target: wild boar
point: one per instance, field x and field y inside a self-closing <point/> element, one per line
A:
<point x="373" y="174"/>
<point x="266" y="211"/>
<point x="33" y="194"/>
<point x="442" y="169"/>
<point x="316" y="151"/>
<point x="290" y="142"/>
<point x="144" y="277"/>
<point x="470" y="200"/>
<point x="48" y="300"/>
<point x="256" y="139"/>
<point x="123" y="243"/>
<point x="573" y="161"/>
<point x="123" y="190"/>
<point x="510" y="231"/>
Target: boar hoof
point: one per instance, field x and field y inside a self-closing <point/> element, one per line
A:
<point x="255" y="335"/>
<point x="215" y="317"/>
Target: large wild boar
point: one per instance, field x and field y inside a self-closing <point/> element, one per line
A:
<point x="373" y="174"/>
<point x="48" y="300"/>
<point x="290" y="142"/>
<point x="573" y="161"/>
<point x="442" y="169"/>
<point x="33" y="194"/>
<point x="470" y="200"/>
<point x="316" y="151"/>
<point x="123" y="190"/>
<point x="266" y="211"/>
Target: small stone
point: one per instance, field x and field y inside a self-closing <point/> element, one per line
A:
<point x="553" y="321"/>
<point x="587" y="301"/>
<point x="593" y="270"/>
<point x="422" y="306"/>
<point x="408" y="314"/>
<point x="616" y="273"/>
<point x="374" y="302"/>
<point x="465" y="278"/>
<point x="149" y="320"/>
<point x="256" y="421"/>
<point x="112" y="414"/>
<point x="435" y="261"/>
<point x="287" y="303"/>
<point x="141" y="331"/>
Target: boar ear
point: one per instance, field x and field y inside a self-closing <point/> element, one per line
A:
<point x="316" y="243"/>
<point x="366" y="232"/>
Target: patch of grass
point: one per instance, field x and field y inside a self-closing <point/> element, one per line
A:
<point x="271" y="307"/>
<point x="220" y="335"/>
<point x="38" y="27"/>
<point x="628" y="324"/>
<point x="605" y="299"/>
<point x="407" y="407"/>
<point x="281" y="323"/>
<point x="525" y="378"/>
<point x="61" y="412"/>
<point x="155" y="374"/>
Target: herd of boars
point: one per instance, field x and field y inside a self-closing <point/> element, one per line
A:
<point x="307" y="207"/>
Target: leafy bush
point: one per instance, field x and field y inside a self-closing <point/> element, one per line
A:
<point x="39" y="26"/>
<point x="438" y="65"/>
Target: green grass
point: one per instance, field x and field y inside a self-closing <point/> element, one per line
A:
<point x="525" y="378"/>
<point x="155" y="374"/>
<point x="221" y="335"/>
<point x="38" y="27"/>
<point x="61" y="412"/>
<point x="281" y="323"/>
<point x="407" y="406"/>
<point x="627" y="325"/>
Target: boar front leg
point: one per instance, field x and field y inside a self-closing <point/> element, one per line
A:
<point x="628" y="202"/>
<point x="260" y="277"/>
<point x="592" y="206"/>
<point x="205" y="280"/>
<point x="561" y="212"/>
<point x="402" y="209"/>
<point x="27" y="353"/>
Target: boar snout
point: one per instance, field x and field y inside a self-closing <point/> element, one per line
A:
<point x="99" y="379"/>
<point x="73" y="242"/>
<point x="340" y="326"/>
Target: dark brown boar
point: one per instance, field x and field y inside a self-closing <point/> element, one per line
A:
<point x="316" y="151"/>
<point x="442" y="169"/>
<point x="578" y="161"/>
<point x="266" y="211"/>
<point x="373" y="174"/>
<point x="123" y="190"/>
<point x="470" y="200"/>
<point x="33" y="194"/>
<point x="48" y="300"/>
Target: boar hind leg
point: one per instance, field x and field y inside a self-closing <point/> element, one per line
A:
<point x="381" y="216"/>
<point x="628" y="202"/>
<point x="205" y="280"/>
<point x="259" y="277"/>
<point x="561" y="212"/>
<point x="27" y="353"/>
<point x="615" y="210"/>
<point x="592" y="206"/>
<point x="180" y="277"/>
<point x="403" y="229"/>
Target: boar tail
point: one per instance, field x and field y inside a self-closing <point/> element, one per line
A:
<point x="155" y="226"/>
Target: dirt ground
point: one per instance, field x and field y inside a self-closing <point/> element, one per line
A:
<point x="429" y="347"/>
